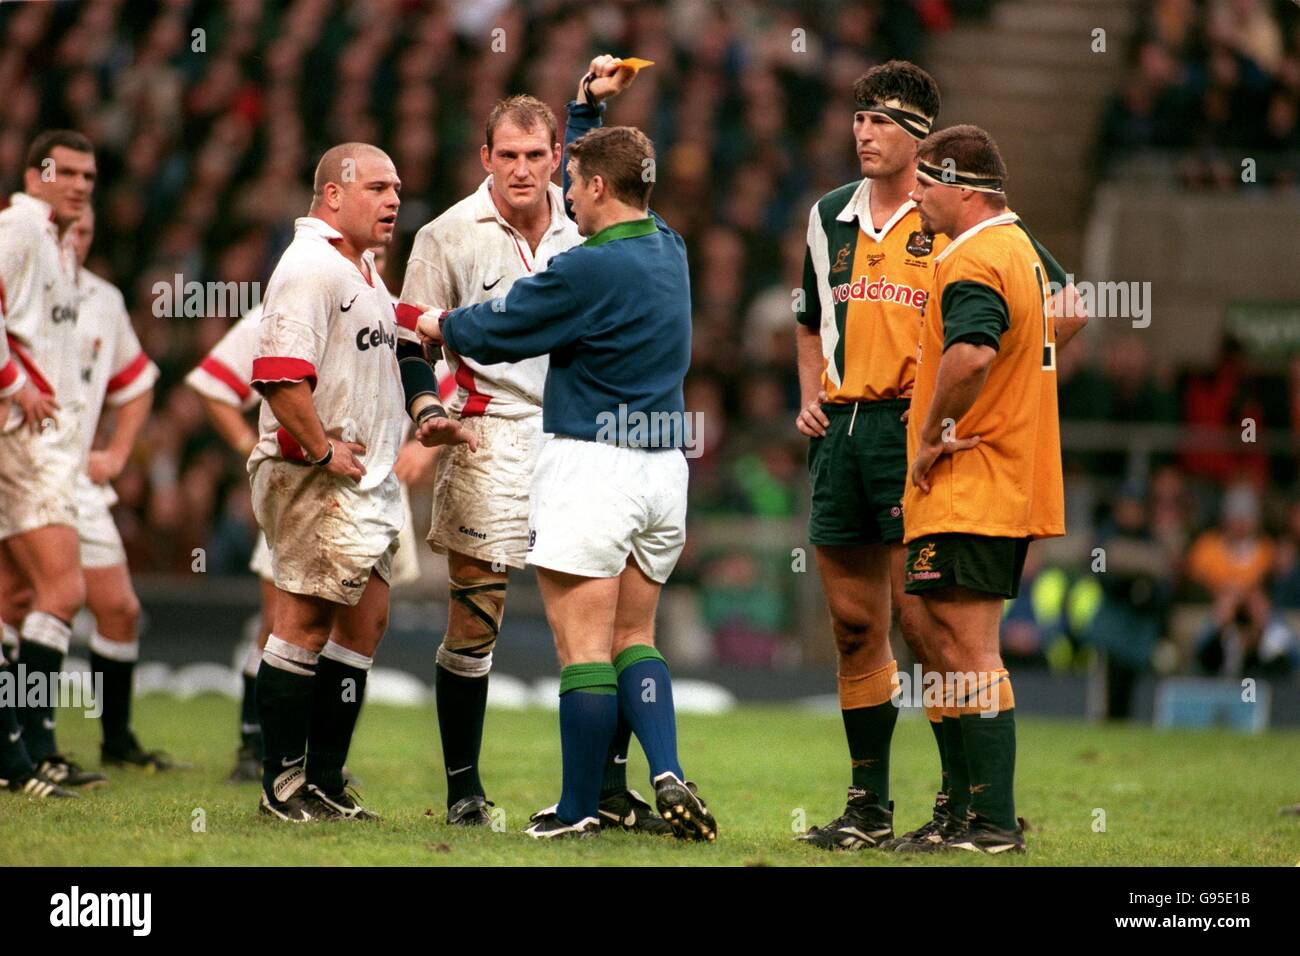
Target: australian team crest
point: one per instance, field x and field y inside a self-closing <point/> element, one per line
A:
<point x="920" y="244"/>
<point x="841" y="260"/>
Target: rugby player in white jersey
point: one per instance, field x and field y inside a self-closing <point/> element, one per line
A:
<point x="18" y="774"/>
<point x="40" y="445"/>
<point x="222" y="381"/>
<point x="507" y="229"/>
<point x="324" y="490"/>
<point x="112" y="370"/>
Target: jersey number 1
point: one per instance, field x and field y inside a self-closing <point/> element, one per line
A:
<point x="1049" y="345"/>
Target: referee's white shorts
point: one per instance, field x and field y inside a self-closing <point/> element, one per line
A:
<point x="594" y="504"/>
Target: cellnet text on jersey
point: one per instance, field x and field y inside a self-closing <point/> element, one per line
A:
<point x="373" y="338"/>
<point x="180" y="299"/>
<point x="879" y="290"/>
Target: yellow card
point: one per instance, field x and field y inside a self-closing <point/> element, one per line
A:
<point x="635" y="63"/>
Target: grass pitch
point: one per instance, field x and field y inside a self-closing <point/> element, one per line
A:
<point x="1163" y="798"/>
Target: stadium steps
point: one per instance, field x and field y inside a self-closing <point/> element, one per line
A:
<point x="1028" y="74"/>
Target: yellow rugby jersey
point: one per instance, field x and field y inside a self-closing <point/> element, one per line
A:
<point x="864" y="290"/>
<point x="991" y="284"/>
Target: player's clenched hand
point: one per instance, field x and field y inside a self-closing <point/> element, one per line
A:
<point x="429" y="325"/>
<point x="610" y="78"/>
<point x="437" y="430"/>
<point x="38" y="409"/>
<point x="929" y="453"/>
<point x="812" y="421"/>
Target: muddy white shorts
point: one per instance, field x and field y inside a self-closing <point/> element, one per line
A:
<point x="481" y="498"/>
<point x="260" y="562"/>
<point x="406" y="563"/>
<point x="101" y="544"/>
<point x="595" y="504"/>
<point x="325" y="535"/>
<point x="38" y="476"/>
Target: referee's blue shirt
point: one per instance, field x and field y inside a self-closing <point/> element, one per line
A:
<point x="614" y="314"/>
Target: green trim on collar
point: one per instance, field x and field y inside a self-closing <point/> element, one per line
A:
<point x="623" y="230"/>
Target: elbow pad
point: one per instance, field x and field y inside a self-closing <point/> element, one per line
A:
<point x="417" y="376"/>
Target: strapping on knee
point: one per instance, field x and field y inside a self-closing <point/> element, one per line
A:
<point x="482" y="604"/>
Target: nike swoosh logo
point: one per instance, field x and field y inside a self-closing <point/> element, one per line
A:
<point x="488" y="288"/>
<point x="620" y="759"/>
<point x="285" y="762"/>
<point x="452" y="773"/>
<point x="47" y="723"/>
<point x="344" y="308"/>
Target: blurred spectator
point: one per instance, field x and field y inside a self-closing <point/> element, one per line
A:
<point x="1136" y="589"/>
<point x="1226" y="397"/>
<point x="1209" y="80"/>
<point x="1233" y="563"/>
<point x="1286" y="570"/>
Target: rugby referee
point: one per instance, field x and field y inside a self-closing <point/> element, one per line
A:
<point x="608" y="512"/>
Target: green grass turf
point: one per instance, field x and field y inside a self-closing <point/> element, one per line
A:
<point x="1169" y="798"/>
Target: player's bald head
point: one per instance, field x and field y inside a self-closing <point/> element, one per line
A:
<point x="341" y="164"/>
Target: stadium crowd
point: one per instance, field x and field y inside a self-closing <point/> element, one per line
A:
<point x="1211" y="78"/>
<point x="206" y="116"/>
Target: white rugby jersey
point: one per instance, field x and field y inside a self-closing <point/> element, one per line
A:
<point x="327" y="324"/>
<point x="226" y="372"/>
<point x="39" y="297"/>
<point x="12" y="377"/>
<point x="114" y="369"/>
<point x="470" y="254"/>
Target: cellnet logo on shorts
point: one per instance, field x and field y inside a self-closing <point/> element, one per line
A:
<point x="684" y="430"/>
<point x="77" y="909"/>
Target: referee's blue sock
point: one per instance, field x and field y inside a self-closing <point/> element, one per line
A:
<point x="588" y="715"/>
<point x="645" y="695"/>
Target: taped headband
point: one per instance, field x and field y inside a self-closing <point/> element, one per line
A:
<point x="912" y="122"/>
<point x="955" y="177"/>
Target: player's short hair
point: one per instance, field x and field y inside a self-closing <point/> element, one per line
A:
<point x="898" y="80"/>
<point x="623" y="157"/>
<point x="971" y="152"/>
<point x="331" y="168"/>
<point x="46" y="141"/>
<point x="525" y="112"/>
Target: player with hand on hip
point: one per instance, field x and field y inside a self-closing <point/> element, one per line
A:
<point x="114" y="372"/>
<point x="336" y="372"/>
<point x="18" y="773"/>
<point x="222" y="380"/>
<point x="40" y="446"/>
<point x="985" y="475"/>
